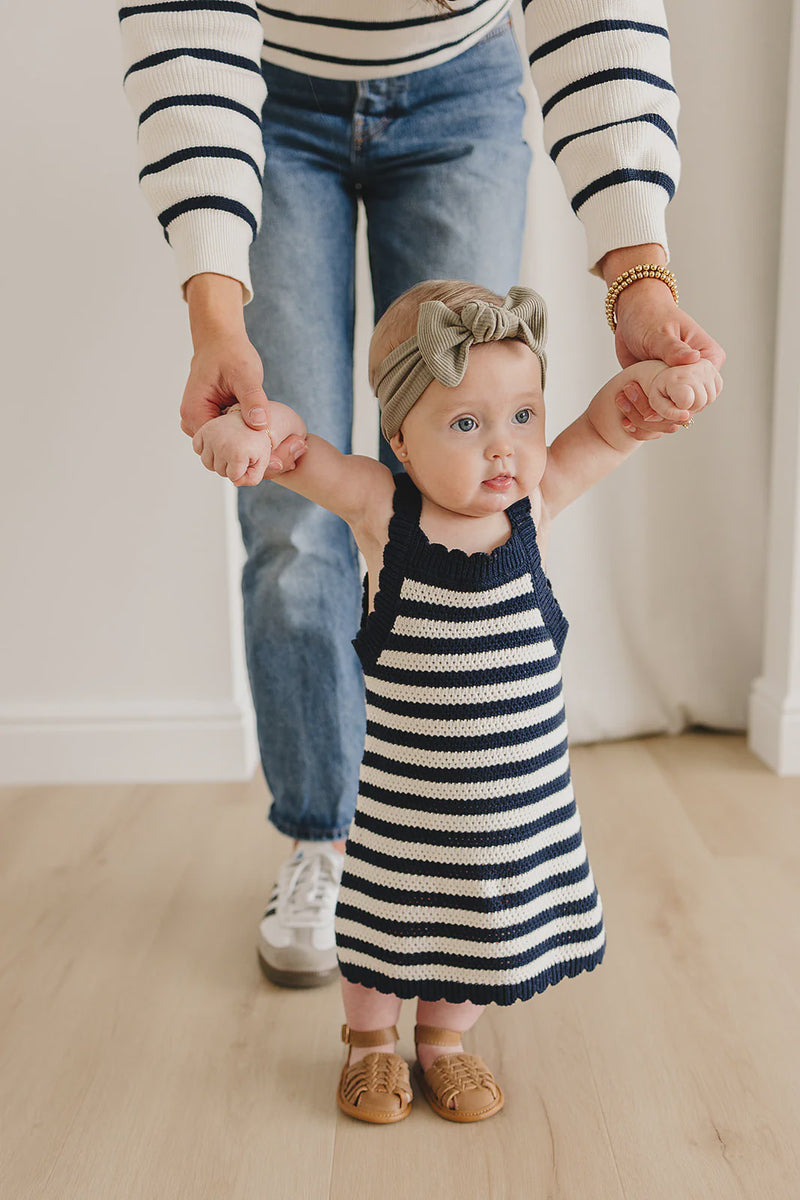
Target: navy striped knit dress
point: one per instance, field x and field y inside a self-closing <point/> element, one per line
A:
<point x="465" y="874"/>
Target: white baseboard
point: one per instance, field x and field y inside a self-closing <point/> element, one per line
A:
<point x="774" y="728"/>
<point x="127" y="743"/>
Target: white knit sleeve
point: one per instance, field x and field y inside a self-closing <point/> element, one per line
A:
<point x="193" y="77"/>
<point x="603" y="77"/>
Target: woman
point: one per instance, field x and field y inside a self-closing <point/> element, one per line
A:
<point x="414" y="111"/>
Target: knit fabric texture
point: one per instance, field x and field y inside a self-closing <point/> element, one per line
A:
<point x="465" y="874"/>
<point x="439" y="349"/>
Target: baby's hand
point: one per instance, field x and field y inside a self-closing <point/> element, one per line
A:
<point x="686" y="389"/>
<point x="244" y="455"/>
<point x="674" y="396"/>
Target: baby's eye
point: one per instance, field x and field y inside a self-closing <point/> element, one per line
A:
<point x="465" y="424"/>
<point x="523" y="416"/>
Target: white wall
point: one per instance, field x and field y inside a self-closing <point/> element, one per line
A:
<point x="116" y="607"/>
<point x="775" y="698"/>
<point x="120" y="649"/>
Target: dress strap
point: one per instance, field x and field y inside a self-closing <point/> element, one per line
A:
<point x="403" y="528"/>
<point x="519" y="514"/>
<point x="521" y="520"/>
<point x="407" y="498"/>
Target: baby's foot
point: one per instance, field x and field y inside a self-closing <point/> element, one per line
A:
<point x="359" y="1052"/>
<point x="427" y="1055"/>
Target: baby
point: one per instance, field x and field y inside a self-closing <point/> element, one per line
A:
<point x="466" y="880"/>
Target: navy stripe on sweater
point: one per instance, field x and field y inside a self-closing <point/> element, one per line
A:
<point x="199" y="152"/>
<point x="201" y="52"/>
<point x="626" y="175"/>
<point x="198" y="100"/>
<point x="232" y="6"/>
<point x="221" y="203"/>
<point x="581" y="31"/>
<point x="648" y="118"/>
<point x="610" y="76"/>
<point x="369" y="26"/>
<point x="377" y="62"/>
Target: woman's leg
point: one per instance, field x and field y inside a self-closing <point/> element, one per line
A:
<point x="300" y="584"/>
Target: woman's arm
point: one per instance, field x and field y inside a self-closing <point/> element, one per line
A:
<point x="602" y="72"/>
<point x="603" y="75"/>
<point x="193" y="78"/>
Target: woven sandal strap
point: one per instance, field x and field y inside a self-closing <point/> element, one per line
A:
<point x="431" y="1035"/>
<point x="369" y="1037"/>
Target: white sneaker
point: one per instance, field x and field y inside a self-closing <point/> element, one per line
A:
<point x="296" y="945"/>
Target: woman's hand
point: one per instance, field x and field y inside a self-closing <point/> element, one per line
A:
<point x="651" y="326"/>
<point x="226" y="368"/>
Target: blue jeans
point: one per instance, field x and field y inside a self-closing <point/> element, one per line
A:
<point x="438" y="159"/>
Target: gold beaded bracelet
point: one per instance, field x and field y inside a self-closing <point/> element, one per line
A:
<point x="644" y="271"/>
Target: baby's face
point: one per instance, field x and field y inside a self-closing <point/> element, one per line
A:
<point x="476" y="448"/>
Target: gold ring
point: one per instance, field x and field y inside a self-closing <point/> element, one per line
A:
<point x="688" y="423"/>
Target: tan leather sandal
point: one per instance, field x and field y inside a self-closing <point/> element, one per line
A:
<point x="376" y="1089"/>
<point x="458" y="1087"/>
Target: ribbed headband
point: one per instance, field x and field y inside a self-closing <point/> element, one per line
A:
<point x="440" y="348"/>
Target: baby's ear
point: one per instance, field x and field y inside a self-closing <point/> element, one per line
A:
<point x="398" y="446"/>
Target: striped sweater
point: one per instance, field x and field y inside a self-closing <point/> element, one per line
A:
<point x="601" y="69"/>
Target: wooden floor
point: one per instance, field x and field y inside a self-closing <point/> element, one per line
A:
<point x="144" y="1057"/>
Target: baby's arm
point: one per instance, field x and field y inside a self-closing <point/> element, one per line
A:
<point x="593" y="445"/>
<point x="350" y="485"/>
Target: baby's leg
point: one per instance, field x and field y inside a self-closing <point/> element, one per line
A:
<point x="443" y="1015"/>
<point x="367" y="1008"/>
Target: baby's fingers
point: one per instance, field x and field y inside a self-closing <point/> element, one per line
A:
<point x="234" y="467"/>
<point x="673" y="405"/>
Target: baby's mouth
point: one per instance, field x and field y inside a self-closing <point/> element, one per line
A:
<point x="499" y="483"/>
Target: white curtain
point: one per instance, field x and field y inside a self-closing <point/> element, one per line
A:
<point x="660" y="568"/>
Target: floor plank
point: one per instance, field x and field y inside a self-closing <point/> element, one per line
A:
<point x="144" y="1055"/>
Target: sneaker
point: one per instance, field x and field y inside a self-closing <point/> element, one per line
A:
<point x="296" y="945"/>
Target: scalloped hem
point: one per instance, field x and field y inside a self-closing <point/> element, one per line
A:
<point x="432" y="990"/>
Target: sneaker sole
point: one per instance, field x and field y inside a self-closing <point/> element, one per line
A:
<point x="297" y="979"/>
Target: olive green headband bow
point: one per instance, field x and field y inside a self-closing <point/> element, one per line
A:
<point x="440" y="348"/>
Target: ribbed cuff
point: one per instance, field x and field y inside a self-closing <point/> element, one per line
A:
<point x="629" y="214"/>
<point x="211" y="240"/>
